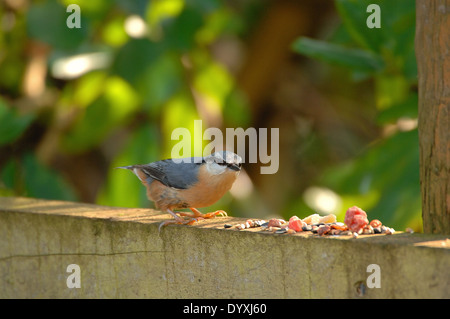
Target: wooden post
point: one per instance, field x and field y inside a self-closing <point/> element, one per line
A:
<point x="433" y="61"/>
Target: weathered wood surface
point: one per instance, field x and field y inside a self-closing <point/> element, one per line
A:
<point x="121" y="254"/>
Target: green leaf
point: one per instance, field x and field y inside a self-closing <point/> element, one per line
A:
<point x="406" y="109"/>
<point x="123" y="188"/>
<point x="180" y="112"/>
<point x="205" y="6"/>
<point x="160" y="81"/>
<point x="356" y="59"/>
<point x="133" y="7"/>
<point x="42" y="182"/>
<point x="236" y="111"/>
<point x="394" y="40"/>
<point x="9" y="177"/>
<point x="214" y="80"/>
<point x="12" y="124"/>
<point x="47" y="22"/>
<point x="354" y="16"/>
<point x="112" y="109"/>
<point x="180" y="33"/>
<point x="133" y="59"/>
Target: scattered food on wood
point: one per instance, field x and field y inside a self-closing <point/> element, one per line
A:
<point x="354" y="225"/>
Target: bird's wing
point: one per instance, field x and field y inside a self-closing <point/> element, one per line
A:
<point x="172" y="174"/>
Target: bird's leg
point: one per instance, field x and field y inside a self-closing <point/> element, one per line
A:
<point x="199" y="214"/>
<point x="178" y="220"/>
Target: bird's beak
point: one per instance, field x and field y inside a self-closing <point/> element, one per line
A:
<point x="235" y="167"/>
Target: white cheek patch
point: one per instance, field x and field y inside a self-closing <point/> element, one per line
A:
<point x="140" y="174"/>
<point x="215" y="169"/>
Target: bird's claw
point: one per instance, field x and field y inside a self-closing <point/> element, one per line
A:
<point x="180" y="221"/>
<point x="193" y="220"/>
<point x="220" y="213"/>
<point x="197" y="213"/>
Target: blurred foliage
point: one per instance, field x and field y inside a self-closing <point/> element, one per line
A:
<point x="148" y="83"/>
<point x="75" y="103"/>
<point x="386" y="55"/>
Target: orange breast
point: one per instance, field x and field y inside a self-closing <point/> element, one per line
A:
<point x="208" y="190"/>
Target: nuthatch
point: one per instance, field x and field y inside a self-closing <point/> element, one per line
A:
<point x="188" y="183"/>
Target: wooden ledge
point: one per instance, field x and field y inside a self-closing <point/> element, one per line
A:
<point x="121" y="254"/>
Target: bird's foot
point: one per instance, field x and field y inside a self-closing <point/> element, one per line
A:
<point x="192" y="218"/>
<point x="198" y="214"/>
<point x="220" y="213"/>
<point x="179" y="221"/>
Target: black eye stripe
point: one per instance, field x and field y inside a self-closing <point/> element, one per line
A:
<point x="228" y="164"/>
